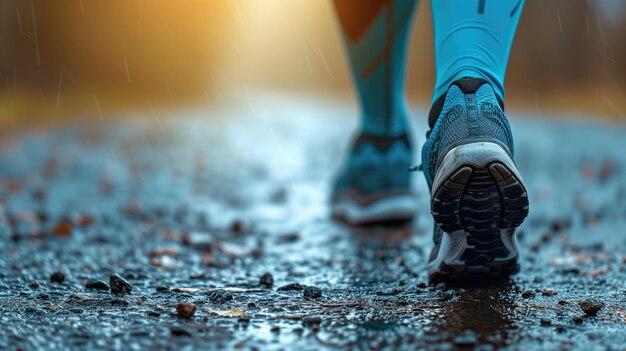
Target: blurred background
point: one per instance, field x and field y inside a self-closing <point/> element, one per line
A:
<point x="76" y="59"/>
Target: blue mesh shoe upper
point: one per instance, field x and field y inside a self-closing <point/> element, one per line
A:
<point x="376" y="165"/>
<point x="471" y="112"/>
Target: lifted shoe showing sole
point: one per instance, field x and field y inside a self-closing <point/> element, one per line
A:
<point x="478" y="200"/>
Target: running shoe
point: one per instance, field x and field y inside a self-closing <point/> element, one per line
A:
<point x="374" y="184"/>
<point x="478" y="198"/>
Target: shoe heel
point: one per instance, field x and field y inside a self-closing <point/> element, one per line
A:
<point x="479" y="193"/>
<point x="478" y="185"/>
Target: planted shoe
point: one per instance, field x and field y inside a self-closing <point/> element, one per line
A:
<point x="478" y="197"/>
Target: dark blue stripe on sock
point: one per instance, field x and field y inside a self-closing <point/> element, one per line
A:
<point x="481" y="7"/>
<point x="515" y="8"/>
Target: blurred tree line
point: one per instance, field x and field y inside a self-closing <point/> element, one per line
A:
<point x="128" y="45"/>
<point x="567" y="52"/>
<point x="575" y="47"/>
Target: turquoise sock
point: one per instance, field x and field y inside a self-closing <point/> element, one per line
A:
<point x="375" y="34"/>
<point x="473" y="38"/>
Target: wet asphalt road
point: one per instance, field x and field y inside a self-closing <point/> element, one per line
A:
<point x="195" y="209"/>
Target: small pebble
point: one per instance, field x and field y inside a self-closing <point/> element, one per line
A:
<point x="119" y="285"/>
<point x="546" y="321"/>
<point x="57" y="277"/>
<point x="389" y="292"/>
<point x="528" y="294"/>
<point x="402" y="302"/>
<point x="96" y="284"/>
<point x="266" y="280"/>
<point x="200" y="275"/>
<point x="179" y="331"/>
<point x="289" y="238"/>
<point x="161" y="288"/>
<point x="548" y="292"/>
<point x="220" y="296"/>
<point x="185" y="310"/>
<point x="590" y="306"/>
<point x="119" y="301"/>
<point x="560" y="328"/>
<point x="236" y="226"/>
<point x="312" y="292"/>
<point x="291" y="287"/>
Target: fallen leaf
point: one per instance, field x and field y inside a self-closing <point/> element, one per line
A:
<point x="63" y="228"/>
<point x="162" y="252"/>
<point x="594" y="272"/>
<point x="233" y="313"/>
<point x="185" y="290"/>
<point x="569" y="260"/>
<point x="85" y="221"/>
<point x="165" y="261"/>
<point x="235" y="250"/>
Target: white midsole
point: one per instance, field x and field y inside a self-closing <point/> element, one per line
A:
<point x="475" y="155"/>
<point x="395" y="207"/>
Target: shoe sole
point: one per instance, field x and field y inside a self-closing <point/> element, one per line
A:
<point x="479" y="201"/>
<point x="394" y="208"/>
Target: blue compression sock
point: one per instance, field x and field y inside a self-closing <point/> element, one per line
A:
<point x="375" y="33"/>
<point x="473" y="38"/>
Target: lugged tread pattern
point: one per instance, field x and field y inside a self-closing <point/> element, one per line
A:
<point x="480" y="202"/>
<point x="446" y="204"/>
<point x="514" y="196"/>
<point x="480" y="213"/>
